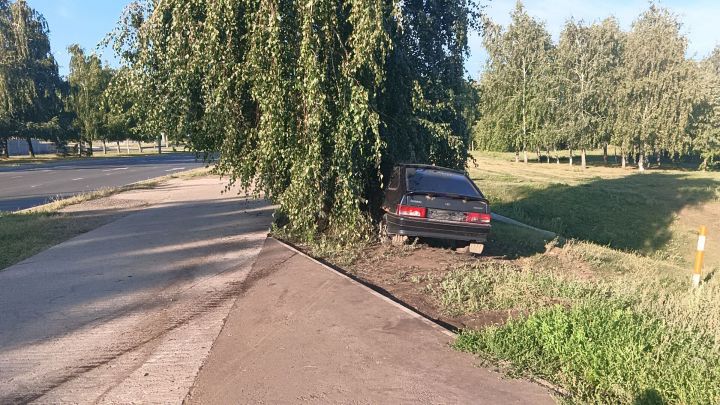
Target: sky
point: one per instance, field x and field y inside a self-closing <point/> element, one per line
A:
<point x="86" y="22"/>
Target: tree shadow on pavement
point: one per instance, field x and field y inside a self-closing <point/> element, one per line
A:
<point x="119" y="268"/>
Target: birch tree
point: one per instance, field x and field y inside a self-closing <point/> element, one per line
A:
<point x="515" y="96"/>
<point x="587" y="58"/>
<point x="652" y="106"/>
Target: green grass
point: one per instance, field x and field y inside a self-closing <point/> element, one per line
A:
<point x="23" y="235"/>
<point x="606" y="326"/>
<point x="606" y="312"/>
<point x="603" y="352"/>
<point x="656" y="213"/>
<point x="503" y="286"/>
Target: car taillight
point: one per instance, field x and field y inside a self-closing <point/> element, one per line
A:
<point x="478" y="218"/>
<point x="408" y="211"/>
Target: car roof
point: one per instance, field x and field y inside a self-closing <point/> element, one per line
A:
<point x="421" y="166"/>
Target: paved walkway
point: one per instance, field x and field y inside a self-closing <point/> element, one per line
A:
<point x="130" y="312"/>
<point x="303" y="333"/>
<point x="127" y="313"/>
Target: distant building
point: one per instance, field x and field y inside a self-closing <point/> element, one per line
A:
<point x="20" y="147"/>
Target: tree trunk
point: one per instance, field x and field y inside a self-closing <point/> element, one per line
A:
<point x="127" y="146"/>
<point x="583" y="158"/>
<point x="104" y="147"/>
<point x="659" y="159"/>
<point x="525" y="156"/>
<point x="548" y="153"/>
<point x="90" y="148"/>
<point x="539" y="155"/>
<point x="557" y="155"/>
<point x="79" y="146"/>
<point x="159" y="145"/>
<point x="571" y="157"/>
<point x="624" y="157"/>
<point x="605" y="153"/>
<point x="517" y="157"/>
<point x="5" y="148"/>
<point x="118" y="146"/>
<point x="140" y="146"/>
<point x="31" y="150"/>
<point x="641" y="162"/>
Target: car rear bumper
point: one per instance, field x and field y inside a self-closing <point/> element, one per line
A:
<point x="408" y="226"/>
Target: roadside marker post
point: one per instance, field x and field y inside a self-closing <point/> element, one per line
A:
<point x="699" y="256"/>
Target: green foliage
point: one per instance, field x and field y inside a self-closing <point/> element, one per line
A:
<point x="306" y="103"/>
<point x="515" y="91"/>
<point x="598" y="86"/>
<point x="653" y="102"/>
<point x="117" y="107"/>
<point x="587" y="61"/>
<point x="706" y="114"/>
<point x="29" y="80"/>
<point x="604" y="352"/>
<point x="88" y="81"/>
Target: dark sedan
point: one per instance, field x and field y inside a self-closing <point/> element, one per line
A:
<point x="435" y="202"/>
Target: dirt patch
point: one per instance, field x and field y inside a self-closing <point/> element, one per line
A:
<point x="409" y="273"/>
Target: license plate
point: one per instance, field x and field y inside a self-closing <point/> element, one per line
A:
<point x="443" y="215"/>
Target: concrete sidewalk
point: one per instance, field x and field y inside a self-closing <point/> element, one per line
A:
<point x="128" y="312"/>
<point x="303" y="333"/>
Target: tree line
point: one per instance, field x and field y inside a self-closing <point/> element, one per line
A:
<point x="598" y="86"/>
<point x="37" y="103"/>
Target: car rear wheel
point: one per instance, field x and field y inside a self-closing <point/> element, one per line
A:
<point x="394" y="239"/>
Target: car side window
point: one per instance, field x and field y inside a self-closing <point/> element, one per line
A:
<point x="394" y="180"/>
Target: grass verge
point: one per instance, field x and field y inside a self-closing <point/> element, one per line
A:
<point x="606" y="326"/>
<point x="603" y="352"/>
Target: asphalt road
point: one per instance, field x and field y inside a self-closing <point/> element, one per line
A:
<point x="31" y="185"/>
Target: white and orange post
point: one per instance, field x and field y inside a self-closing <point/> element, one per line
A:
<point x="699" y="257"/>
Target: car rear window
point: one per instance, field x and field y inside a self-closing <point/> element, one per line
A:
<point x="423" y="180"/>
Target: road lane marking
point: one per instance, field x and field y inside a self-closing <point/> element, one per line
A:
<point x="175" y="169"/>
<point x="78" y="179"/>
<point x="16" y="177"/>
<point x="118" y="168"/>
